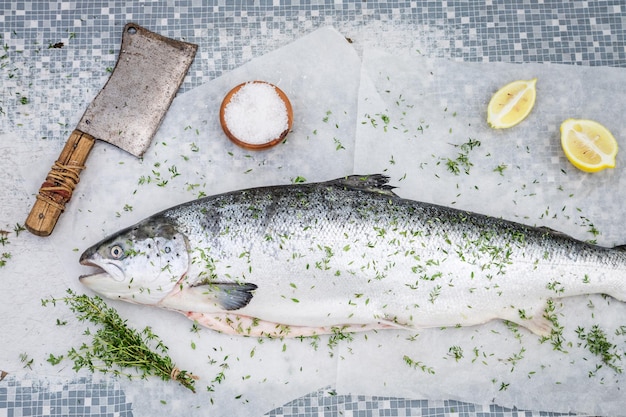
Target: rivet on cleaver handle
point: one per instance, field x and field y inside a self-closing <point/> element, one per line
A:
<point x="126" y="113"/>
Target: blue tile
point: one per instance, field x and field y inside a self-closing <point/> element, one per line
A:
<point x="582" y="33"/>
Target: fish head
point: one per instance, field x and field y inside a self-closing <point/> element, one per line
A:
<point x="140" y="264"/>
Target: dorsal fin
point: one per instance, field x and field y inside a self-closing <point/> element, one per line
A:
<point x="375" y="183"/>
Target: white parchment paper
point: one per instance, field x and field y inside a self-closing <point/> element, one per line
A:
<point x="416" y="119"/>
<point x="190" y="156"/>
<point x="396" y="113"/>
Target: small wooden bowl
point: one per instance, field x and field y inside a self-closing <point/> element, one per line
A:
<point x="240" y="141"/>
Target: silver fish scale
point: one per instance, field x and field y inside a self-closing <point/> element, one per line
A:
<point x="332" y="251"/>
<point x="351" y="253"/>
<point x="331" y="213"/>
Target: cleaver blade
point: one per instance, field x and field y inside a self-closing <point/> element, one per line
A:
<point x="126" y="113"/>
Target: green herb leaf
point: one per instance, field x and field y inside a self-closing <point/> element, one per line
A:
<point x="115" y="346"/>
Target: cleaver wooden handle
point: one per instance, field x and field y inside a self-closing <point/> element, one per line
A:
<point x="57" y="189"/>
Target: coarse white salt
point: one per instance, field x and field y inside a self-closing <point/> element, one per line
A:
<point x="256" y="114"/>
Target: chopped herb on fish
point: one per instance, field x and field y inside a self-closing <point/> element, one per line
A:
<point x="289" y="261"/>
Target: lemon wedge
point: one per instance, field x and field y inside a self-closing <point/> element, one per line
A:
<point x="511" y="104"/>
<point x="588" y="145"/>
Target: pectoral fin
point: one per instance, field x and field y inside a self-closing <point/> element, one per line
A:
<point x="228" y="295"/>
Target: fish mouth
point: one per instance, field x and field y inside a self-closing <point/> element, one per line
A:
<point x="102" y="270"/>
<point x="102" y="281"/>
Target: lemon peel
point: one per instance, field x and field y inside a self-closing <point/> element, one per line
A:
<point x="588" y="145"/>
<point x="511" y="103"/>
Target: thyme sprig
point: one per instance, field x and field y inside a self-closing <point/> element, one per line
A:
<point x="115" y="347"/>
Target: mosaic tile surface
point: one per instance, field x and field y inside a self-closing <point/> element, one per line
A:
<point x="327" y="403"/>
<point x="74" y="44"/>
<point x="82" y="397"/>
<point x="56" y="55"/>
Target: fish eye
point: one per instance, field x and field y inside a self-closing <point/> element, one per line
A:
<point x="116" y="252"/>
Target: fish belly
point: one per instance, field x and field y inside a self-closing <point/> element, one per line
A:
<point x="457" y="295"/>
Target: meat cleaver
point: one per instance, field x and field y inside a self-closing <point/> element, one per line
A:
<point x="126" y="113"/>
